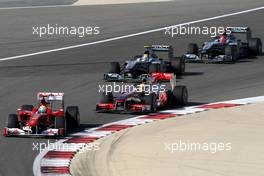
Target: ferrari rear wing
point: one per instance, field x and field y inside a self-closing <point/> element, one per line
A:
<point x="161" y="48"/>
<point x="50" y="96"/>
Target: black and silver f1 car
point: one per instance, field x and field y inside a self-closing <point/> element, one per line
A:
<point x="145" y="97"/>
<point x="147" y="63"/>
<point x="225" y="48"/>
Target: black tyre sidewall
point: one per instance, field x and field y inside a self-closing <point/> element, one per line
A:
<point x="192" y="49"/>
<point x="151" y="100"/>
<point x="180" y="94"/>
<point x="72" y="115"/>
<point x="107" y="98"/>
<point x="178" y="65"/>
<point x="255" y="46"/>
<point x="114" y="67"/>
<point x="154" y="68"/>
<point x="231" y="51"/>
<point x="12" y="121"/>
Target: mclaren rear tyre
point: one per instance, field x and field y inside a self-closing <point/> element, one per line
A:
<point x="180" y="94"/>
<point x="12" y="121"/>
<point x="114" y="67"/>
<point x="170" y="98"/>
<point x="255" y="46"/>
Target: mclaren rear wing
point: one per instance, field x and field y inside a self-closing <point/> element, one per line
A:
<point x="164" y="77"/>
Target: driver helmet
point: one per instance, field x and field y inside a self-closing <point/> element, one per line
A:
<point x="223" y="38"/>
<point x="146" y="55"/>
<point x="42" y="109"/>
<point x="142" y="86"/>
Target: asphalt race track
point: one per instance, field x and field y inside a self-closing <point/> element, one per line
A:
<point x="77" y="72"/>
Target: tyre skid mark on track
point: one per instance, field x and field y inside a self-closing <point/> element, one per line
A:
<point x="58" y="162"/>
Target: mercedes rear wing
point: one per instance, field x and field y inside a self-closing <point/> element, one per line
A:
<point x="240" y="30"/>
<point x="161" y="48"/>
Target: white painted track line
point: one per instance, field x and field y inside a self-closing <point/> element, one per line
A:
<point x="130" y="35"/>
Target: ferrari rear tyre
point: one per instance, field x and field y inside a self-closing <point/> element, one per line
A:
<point x="180" y="94"/>
<point x="12" y="121"/>
<point x="73" y="116"/>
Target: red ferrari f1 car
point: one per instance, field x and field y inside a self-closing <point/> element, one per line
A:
<point x="48" y="118"/>
<point x="147" y="100"/>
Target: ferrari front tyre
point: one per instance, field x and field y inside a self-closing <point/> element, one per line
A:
<point x="60" y="122"/>
<point x="114" y="67"/>
<point x="255" y="46"/>
<point x="180" y="94"/>
<point x="73" y="116"/>
<point x="178" y="65"/>
<point x="27" y="107"/>
<point x="12" y="121"/>
<point x="193" y="49"/>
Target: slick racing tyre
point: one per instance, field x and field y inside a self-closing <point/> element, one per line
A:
<point x="72" y="116"/>
<point x="231" y="51"/>
<point x="255" y="46"/>
<point x="27" y="107"/>
<point x="12" y="121"/>
<point x="192" y="49"/>
<point x="170" y="99"/>
<point x="178" y="65"/>
<point x="114" y="67"/>
<point x="152" y="101"/>
<point x="154" y="68"/>
<point x="107" y="98"/>
<point x="60" y="123"/>
<point x="180" y="94"/>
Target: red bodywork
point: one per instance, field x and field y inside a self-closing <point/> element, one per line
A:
<point x="162" y="97"/>
<point x="33" y="118"/>
<point x="40" y="122"/>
